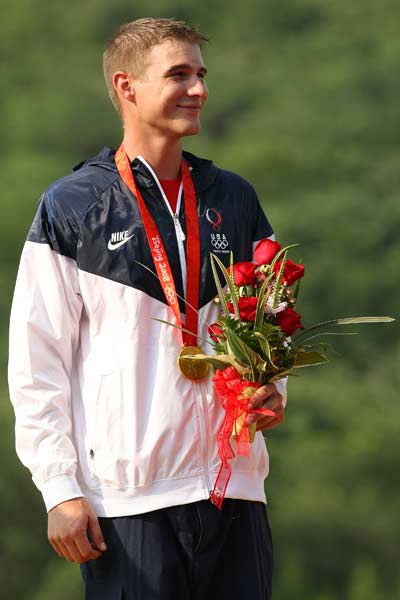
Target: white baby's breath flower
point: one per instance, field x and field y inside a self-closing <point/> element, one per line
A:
<point x="287" y="342"/>
<point x="269" y="308"/>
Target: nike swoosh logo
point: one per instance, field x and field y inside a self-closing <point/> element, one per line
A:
<point x="115" y="245"/>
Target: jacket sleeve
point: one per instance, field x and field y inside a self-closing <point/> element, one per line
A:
<point x="261" y="227"/>
<point x="44" y="334"/>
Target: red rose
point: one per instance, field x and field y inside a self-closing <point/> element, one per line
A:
<point x="289" y="320"/>
<point x="215" y="332"/>
<point x="291" y="273"/>
<point x="243" y="273"/>
<point x="265" y="251"/>
<point x="247" y="308"/>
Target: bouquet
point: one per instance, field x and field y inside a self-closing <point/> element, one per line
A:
<point x="258" y="338"/>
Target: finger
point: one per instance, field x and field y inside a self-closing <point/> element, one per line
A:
<point x="56" y="548"/>
<point x="274" y="403"/>
<point x="74" y="551"/>
<point x="270" y="422"/>
<point x="263" y="419"/>
<point x="255" y="416"/>
<point x="262" y="394"/>
<point x="64" y="547"/>
<point x="85" y="549"/>
<point x="92" y="554"/>
<point x="96" y="534"/>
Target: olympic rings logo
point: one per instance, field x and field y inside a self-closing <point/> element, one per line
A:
<point x="170" y="293"/>
<point x="219" y="244"/>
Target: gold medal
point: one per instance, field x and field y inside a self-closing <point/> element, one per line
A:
<point x="190" y="367"/>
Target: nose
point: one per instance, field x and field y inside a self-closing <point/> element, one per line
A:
<point x="198" y="87"/>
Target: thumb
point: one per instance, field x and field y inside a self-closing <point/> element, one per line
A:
<point x="96" y="534"/>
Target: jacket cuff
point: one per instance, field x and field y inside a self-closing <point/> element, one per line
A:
<point x="60" y="489"/>
<point x="280" y="385"/>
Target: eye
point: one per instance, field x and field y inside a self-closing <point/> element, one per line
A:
<point x="178" y="75"/>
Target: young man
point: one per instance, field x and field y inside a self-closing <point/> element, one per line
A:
<point x="120" y="442"/>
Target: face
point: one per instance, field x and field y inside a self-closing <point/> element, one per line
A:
<point x="170" y="91"/>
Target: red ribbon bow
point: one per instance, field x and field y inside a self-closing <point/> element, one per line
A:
<point x="234" y="394"/>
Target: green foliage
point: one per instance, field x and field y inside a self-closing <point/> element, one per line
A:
<point x="303" y="103"/>
<point x="60" y="580"/>
<point x="332" y="488"/>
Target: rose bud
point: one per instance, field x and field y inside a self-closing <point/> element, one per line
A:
<point x="247" y="308"/>
<point x="265" y="251"/>
<point x="215" y="332"/>
<point x="243" y="273"/>
<point x="289" y="320"/>
<point x="291" y="273"/>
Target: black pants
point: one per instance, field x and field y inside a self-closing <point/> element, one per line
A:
<point x="189" y="552"/>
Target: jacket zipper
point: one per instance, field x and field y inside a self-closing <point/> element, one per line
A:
<point x="180" y="236"/>
<point x="204" y="429"/>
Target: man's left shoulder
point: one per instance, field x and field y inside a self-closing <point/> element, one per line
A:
<point x="231" y="178"/>
<point x="205" y="172"/>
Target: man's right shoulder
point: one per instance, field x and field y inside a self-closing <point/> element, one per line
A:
<point x="65" y="202"/>
<point x="84" y="185"/>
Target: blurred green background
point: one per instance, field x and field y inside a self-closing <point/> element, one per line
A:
<point x="304" y="102"/>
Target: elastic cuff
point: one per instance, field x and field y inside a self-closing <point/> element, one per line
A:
<point x="60" y="489"/>
<point x="280" y="385"/>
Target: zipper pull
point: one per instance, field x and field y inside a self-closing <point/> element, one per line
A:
<point x="179" y="227"/>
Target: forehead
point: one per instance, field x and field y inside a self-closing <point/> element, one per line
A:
<point x="173" y="52"/>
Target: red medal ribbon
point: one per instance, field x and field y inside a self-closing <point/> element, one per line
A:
<point x="159" y="253"/>
<point x="228" y="388"/>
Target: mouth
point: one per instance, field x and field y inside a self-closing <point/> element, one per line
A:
<point x="189" y="107"/>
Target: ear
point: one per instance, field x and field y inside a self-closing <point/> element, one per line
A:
<point x="123" y="85"/>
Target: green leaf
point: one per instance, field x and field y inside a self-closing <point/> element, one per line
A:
<point x="215" y="259"/>
<point x="345" y="321"/>
<point x="220" y="361"/>
<point x="308" y="359"/>
<point x="233" y="287"/>
<point x="262" y="298"/>
<point x="277" y="286"/>
<point x="220" y="291"/>
<point x="265" y="348"/>
<point x="279" y="254"/>
<point x="182" y="329"/>
<point x="282" y="374"/>
<point x="350" y="320"/>
<point x="296" y="290"/>
<point x="243" y="353"/>
<point x="329" y="333"/>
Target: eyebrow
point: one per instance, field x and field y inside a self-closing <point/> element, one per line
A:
<point x="186" y="67"/>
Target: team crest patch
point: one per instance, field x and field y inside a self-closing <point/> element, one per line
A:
<point x="219" y="242"/>
<point x="214" y="217"/>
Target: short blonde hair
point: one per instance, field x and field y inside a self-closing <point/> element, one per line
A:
<point x="128" y="49"/>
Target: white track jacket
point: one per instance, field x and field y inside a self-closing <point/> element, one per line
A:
<point x="101" y="408"/>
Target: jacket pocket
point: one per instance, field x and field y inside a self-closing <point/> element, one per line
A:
<point x="114" y="457"/>
<point x="92" y="425"/>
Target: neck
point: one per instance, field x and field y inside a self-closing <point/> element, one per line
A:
<point x="164" y="156"/>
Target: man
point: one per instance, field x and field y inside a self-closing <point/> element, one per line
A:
<point x="105" y="420"/>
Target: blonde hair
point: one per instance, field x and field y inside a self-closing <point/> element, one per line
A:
<point x="128" y="49"/>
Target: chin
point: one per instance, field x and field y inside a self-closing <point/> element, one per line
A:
<point x="192" y="129"/>
<point x="192" y="132"/>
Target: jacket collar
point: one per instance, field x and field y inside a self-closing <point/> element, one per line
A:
<point x="203" y="171"/>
